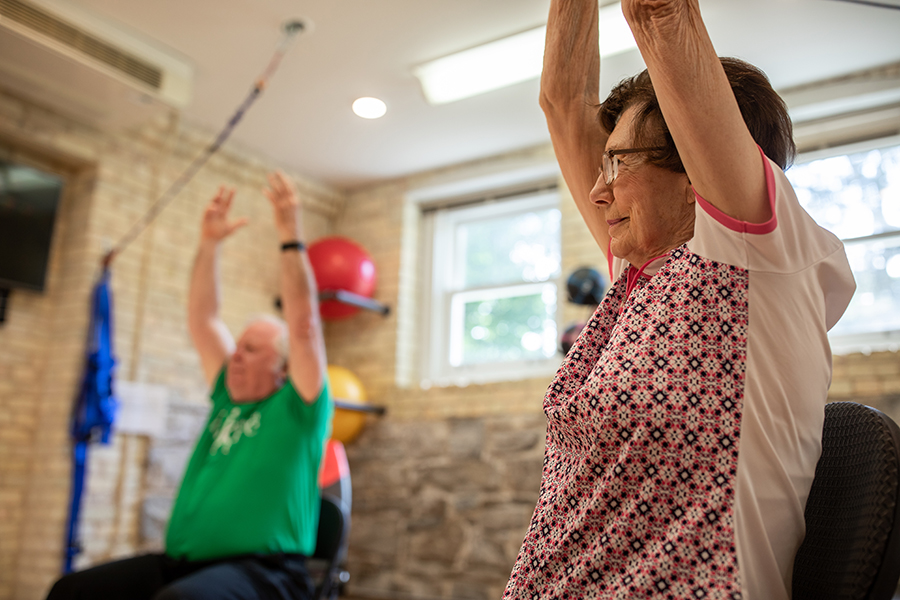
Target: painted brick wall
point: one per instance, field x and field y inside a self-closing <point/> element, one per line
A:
<point x="114" y="178"/>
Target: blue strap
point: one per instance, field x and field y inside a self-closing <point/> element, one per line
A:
<point x="73" y="547"/>
<point x="95" y="407"/>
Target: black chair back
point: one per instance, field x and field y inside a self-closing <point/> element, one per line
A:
<point x="334" y="522"/>
<point x="852" y="545"/>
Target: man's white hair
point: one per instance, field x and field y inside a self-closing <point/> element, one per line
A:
<point x="281" y="342"/>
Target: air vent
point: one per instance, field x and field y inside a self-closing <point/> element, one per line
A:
<point x="58" y="30"/>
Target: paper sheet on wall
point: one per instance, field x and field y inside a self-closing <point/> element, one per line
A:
<point x="143" y="408"/>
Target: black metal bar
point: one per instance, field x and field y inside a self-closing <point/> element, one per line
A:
<point x="872" y="3"/>
<point x="352" y="299"/>
<point x="4" y="297"/>
<point x="364" y="408"/>
<point x="874" y="236"/>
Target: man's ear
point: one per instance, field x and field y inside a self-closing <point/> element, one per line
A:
<point x="281" y="373"/>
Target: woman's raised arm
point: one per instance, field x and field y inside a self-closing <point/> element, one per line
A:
<point x="569" y="97"/>
<point x="718" y="152"/>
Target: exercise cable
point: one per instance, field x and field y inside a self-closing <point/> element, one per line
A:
<point x="291" y="28"/>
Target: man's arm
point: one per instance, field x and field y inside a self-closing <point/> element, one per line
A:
<point x="569" y="97"/>
<point x="299" y="296"/>
<point x="211" y="337"/>
<point x="718" y="152"/>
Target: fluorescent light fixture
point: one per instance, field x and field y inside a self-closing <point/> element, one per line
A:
<point x="484" y="68"/>
<point x="509" y="61"/>
<point x="369" y="108"/>
<point x="615" y="34"/>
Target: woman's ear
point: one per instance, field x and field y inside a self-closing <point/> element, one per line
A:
<point x="690" y="196"/>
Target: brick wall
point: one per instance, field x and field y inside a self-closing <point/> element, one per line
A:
<point x="112" y="180"/>
<point x="872" y="379"/>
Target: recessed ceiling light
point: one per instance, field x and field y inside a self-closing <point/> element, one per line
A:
<point x="509" y="61"/>
<point x="369" y="108"/>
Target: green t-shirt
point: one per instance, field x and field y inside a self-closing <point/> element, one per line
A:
<point x="252" y="483"/>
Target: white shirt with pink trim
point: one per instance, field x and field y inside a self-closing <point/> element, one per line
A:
<point x="799" y="286"/>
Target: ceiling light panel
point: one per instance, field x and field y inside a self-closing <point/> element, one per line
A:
<point x="508" y="61"/>
<point x="484" y="68"/>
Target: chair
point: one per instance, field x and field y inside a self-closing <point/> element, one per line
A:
<point x="331" y="548"/>
<point x="852" y="545"/>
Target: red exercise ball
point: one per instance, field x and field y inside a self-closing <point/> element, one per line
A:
<point x="341" y="264"/>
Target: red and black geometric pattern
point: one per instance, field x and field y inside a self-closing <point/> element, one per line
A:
<point x="644" y="418"/>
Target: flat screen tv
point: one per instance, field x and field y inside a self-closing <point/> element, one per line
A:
<point x="28" y="203"/>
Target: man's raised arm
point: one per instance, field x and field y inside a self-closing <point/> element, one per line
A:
<point x="211" y="337"/>
<point x="299" y="296"/>
<point x="569" y="97"/>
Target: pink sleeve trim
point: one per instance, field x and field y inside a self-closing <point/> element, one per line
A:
<point x="742" y="226"/>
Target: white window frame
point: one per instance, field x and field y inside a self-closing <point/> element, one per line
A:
<point x="438" y="254"/>
<point x="869" y="341"/>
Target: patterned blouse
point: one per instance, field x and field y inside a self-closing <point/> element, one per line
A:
<point x="684" y="425"/>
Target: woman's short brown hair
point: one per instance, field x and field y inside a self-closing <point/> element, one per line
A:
<point x="764" y="112"/>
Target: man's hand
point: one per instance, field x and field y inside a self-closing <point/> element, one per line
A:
<point x="306" y="345"/>
<point x="286" y="206"/>
<point x="216" y="226"/>
<point x="211" y="337"/>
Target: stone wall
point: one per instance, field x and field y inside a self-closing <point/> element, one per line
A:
<point x="440" y="506"/>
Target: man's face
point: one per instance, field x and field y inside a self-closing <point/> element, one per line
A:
<point x="255" y="370"/>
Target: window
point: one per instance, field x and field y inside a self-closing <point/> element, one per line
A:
<point x="854" y="191"/>
<point x="492" y="307"/>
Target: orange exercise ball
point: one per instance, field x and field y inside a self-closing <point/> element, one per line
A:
<point x="347" y="424"/>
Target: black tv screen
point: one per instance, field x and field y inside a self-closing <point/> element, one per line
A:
<point x="28" y="202"/>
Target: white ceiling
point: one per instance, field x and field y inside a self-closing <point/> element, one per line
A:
<point x="368" y="48"/>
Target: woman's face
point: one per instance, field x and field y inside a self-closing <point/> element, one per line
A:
<point x="649" y="210"/>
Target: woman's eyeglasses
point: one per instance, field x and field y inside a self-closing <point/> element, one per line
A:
<point x="610" y="168"/>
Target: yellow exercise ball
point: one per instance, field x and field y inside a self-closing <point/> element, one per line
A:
<point x="346" y="386"/>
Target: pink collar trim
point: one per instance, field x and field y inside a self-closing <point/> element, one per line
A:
<point x="634" y="275"/>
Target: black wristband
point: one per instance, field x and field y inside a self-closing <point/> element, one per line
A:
<point x="295" y="245"/>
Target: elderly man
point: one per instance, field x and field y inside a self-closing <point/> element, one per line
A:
<point x="247" y="512"/>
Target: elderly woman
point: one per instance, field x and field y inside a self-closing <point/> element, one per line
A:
<point x="685" y="424"/>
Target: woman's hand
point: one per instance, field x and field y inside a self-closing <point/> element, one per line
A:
<point x="216" y="226"/>
<point x="645" y="11"/>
